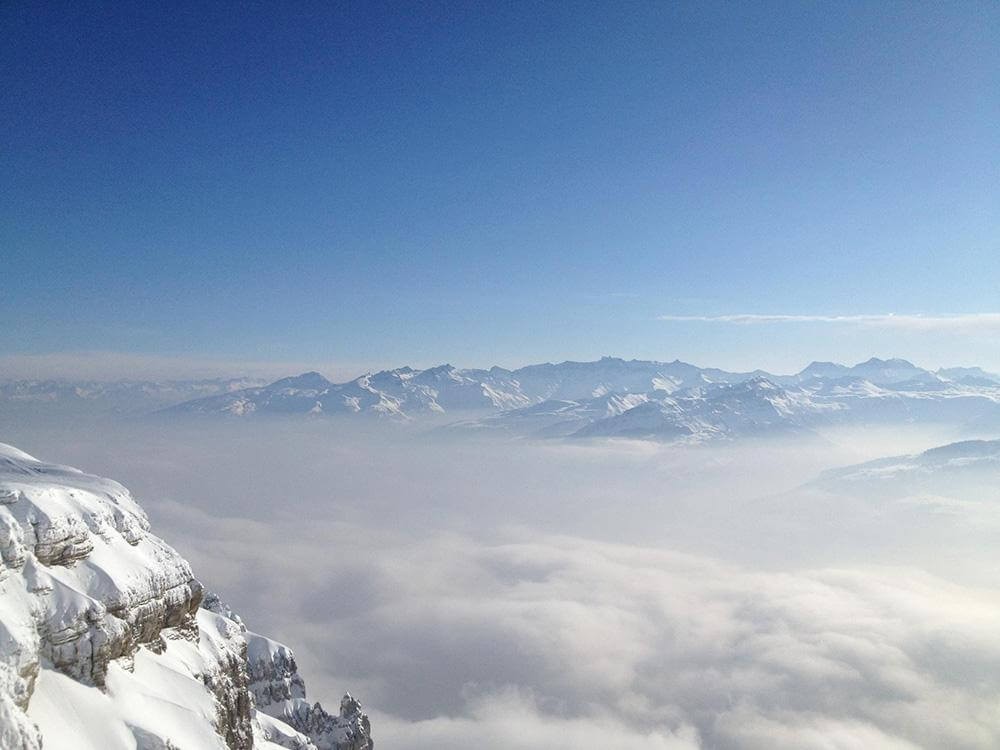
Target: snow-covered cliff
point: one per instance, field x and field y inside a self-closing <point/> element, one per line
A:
<point x="108" y="641"/>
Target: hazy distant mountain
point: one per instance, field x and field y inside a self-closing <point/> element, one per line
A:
<point x="967" y="471"/>
<point x="966" y="456"/>
<point x="969" y="375"/>
<point x="95" y="397"/>
<point x="825" y="370"/>
<point x="554" y="417"/>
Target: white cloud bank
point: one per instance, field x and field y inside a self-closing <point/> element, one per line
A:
<point x="497" y="596"/>
<point x="959" y="323"/>
<point x="561" y="642"/>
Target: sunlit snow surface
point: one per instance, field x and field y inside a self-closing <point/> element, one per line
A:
<point x="103" y="644"/>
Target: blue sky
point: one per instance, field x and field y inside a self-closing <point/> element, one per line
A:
<point x="375" y="184"/>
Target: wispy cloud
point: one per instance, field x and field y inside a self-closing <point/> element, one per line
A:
<point x="953" y="323"/>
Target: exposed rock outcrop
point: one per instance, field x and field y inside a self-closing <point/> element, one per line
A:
<point x="280" y="693"/>
<point x="105" y="644"/>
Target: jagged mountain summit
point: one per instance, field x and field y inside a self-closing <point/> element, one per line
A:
<point x="108" y="641"/>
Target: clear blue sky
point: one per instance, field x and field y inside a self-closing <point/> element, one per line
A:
<point x="365" y="183"/>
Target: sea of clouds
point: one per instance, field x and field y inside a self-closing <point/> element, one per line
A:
<point x="547" y="595"/>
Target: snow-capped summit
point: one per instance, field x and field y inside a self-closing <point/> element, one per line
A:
<point x="307" y="381"/>
<point x="882" y="371"/>
<point x="823" y="370"/>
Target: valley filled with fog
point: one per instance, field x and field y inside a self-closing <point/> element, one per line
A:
<point x="496" y="593"/>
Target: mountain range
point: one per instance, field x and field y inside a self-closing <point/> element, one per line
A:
<point x="613" y="397"/>
<point x="610" y="397"/>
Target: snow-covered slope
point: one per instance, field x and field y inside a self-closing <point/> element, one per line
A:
<point x="552" y="418"/>
<point x="753" y="407"/>
<point x="104" y="643"/>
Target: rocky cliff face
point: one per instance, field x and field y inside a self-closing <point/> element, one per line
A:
<point x="108" y="641"/>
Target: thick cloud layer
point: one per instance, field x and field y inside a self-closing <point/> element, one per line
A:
<point x="630" y="596"/>
<point x="460" y="639"/>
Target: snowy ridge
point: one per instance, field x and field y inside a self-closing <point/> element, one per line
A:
<point x="397" y="394"/>
<point x="104" y="644"/>
<point x="752" y="407"/>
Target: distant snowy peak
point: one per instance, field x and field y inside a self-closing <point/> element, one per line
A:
<point x="880" y="371"/>
<point x="823" y="370"/>
<point x="307" y="381"/>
